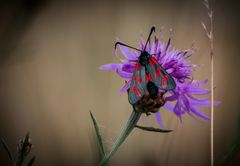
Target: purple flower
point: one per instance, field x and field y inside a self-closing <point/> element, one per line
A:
<point x="186" y="102"/>
<point x="180" y="100"/>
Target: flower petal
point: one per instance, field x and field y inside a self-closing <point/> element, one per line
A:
<point x="201" y="83"/>
<point x="126" y="52"/>
<point x="177" y="109"/>
<point x="124" y="74"/>
<point x="159" y="119"/>
<point x="198" y="91"/>
<point x="127" y="67"/>
<point x="110" y="67"/>
<point x="125" y="87"/>
<point x="185" y="103"/>
<point x="168" y="106"/>
<point x="202" y="101"/>
<point x="116" y="55"/>
<point x="171" y="98"/>
<point x="154" y="45"/>
<point x="197" y="112"/>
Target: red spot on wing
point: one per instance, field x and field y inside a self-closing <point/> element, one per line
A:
<point x="153" y="61"/>
<point x="138" y="66"/>
<point x="138" y="80"/>
<point x="138" y="93"/>
<point x="164" y="81"/>
<point x="148" y="77"/>
<point x="157" y="73"/>
<point x="135" y="78"/>
<point x="134" y="89"/>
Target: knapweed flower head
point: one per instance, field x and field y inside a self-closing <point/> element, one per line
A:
<point x="185" y="97"/>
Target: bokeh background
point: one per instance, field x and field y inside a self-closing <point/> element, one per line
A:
<point x="50" y="52"/>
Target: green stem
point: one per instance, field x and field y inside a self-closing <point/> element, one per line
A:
<point x="132" y="121"/>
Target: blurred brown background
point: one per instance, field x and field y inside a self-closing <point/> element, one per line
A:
<point x="50" y="52"/>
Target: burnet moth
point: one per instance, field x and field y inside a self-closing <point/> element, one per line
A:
<point x="148" y="75"/>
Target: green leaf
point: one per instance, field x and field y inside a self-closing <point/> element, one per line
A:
<point x="230" y="153"/>
<point x="234" y="148"/>
<point x="153" y="129"/>
<point x="21" y="152"/>
<point x="99" y="138"/>
<point x="25" y="141"/>
<point x="30" y="163"/>
<point x="7" y="149"/>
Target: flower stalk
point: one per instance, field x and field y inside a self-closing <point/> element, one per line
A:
<point x="127" y="129"/>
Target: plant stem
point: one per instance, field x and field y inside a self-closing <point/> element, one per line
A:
<point x="212" y="112"/>
<point x="210" y="38"/>
<point x="132" y="121"/>
<point x="212" y="89"/>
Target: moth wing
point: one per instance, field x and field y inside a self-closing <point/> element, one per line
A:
<point x="138" y="84"/>
<point x="159" y="75"/>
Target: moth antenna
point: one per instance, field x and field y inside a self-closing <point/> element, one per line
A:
<point x="119" y="43"/>
<point x="152" y="29"/>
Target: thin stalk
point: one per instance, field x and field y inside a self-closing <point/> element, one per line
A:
<point x="126" y="130"/>
<point x="209" y="34"/>
<point x="212" y="112"/>
<point x="212" y="92"/>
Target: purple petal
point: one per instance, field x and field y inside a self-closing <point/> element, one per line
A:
<point x="159" y="119"/>
<point x="185" y="103"/>
<point x="155" y="46"/>
<point x="197" y="99"/>
<point x="177" y="109"/>
<point x="142" y="44"/>
<point x="116" y="55"/>
<point x="201" y="83"/>
<point x="148" y="47"/>
<point x="130" y="68"/>
<point x="198" y="91"/>
<point x="125" y="87"/>
<point x="170" y="70"/>
<point x="194" y="117"/>
<point x="193" y="87"/>
<point x="172" y="98"/>
<point x="127" y="54"/>
<point x="197" y="112"/>
<point x="205" y="103"/>
<point x="167" y="48"/>
<point x="202" y="101"/>
<point x="110" y="67"/>
<point x="168" y="106"/>
<point x="124" y="74"/>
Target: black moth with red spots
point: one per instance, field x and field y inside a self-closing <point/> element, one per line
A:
<point x="148" y="75"/>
